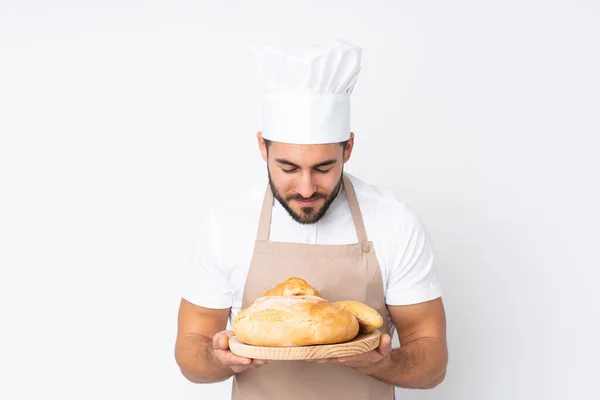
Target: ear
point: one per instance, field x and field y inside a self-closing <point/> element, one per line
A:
<point x="261" y="146"/>
<point x="348" y="149"/>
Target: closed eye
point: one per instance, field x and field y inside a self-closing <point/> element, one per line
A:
<point x="291" y="167"/>
<point x="320" y="171"/>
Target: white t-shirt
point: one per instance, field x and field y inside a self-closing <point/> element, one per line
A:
<point x="225" y="241"/>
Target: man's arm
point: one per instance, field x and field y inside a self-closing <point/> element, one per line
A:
<point x="420" y="361"/>
<point x="202" y="345"/>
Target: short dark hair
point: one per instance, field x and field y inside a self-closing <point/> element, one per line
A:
<point x="343" y="144"/>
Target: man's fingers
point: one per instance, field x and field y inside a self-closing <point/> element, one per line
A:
<point x="237" y="364"/>
<point x="237" y="370"/>
<point x="254" y="364"/>
<point x="229" y="358"/>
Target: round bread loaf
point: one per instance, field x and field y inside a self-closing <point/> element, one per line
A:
<point x="293" y="287"/>
<point x="368" y="318"/>
<point x="283" y="321"/>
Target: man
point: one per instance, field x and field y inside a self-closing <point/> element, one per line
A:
<point x="348" y="239"/>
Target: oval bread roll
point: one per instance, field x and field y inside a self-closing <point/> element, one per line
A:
<point x="368" y="318"/>
<point x="281" y="321"/>
<point x="293" y="287"/>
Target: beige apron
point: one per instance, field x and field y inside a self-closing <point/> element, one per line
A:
<point x="338" y="272"/>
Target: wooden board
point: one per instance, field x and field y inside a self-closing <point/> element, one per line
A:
<point x="360" y="344"/>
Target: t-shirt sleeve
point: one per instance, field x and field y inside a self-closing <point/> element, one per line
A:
<point x="206" y="279"/>
<point x="412" y="277"/>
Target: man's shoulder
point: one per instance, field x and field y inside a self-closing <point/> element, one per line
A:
<point x="383" y="210"/>
<point x="245" y="199"/>
<point x="372" y="195"/>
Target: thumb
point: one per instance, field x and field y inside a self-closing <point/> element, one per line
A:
<point x="220" y="341"/>
<point x="385" y="345"/>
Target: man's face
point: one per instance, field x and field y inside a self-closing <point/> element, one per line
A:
<point x="305" y="179"/>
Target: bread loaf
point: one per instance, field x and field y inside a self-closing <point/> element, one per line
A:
<point x="294" y="314"/>
<point x="280" y="321"/>
<point x="368" y="318"/>
<point x="293" y="287"/>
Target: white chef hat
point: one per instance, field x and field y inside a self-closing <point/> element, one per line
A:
<point x="306" y="91"/>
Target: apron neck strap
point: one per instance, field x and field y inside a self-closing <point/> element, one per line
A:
<point x="359" y="224"/>
<point x="264" y="223"/>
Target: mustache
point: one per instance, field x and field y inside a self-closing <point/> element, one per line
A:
<point x="298" y="196"/>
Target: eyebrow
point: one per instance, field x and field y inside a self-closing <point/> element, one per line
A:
<point x="291" y="164"/>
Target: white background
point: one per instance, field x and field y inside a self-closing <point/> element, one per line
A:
<point x="120" y="119"/>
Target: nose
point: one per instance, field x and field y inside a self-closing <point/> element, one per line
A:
<point x="306" y="185"/>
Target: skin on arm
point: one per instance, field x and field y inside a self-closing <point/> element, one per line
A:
<point x="420" y="361"/>
<point x="202" y="345"/>
<point x="422" y="358"/>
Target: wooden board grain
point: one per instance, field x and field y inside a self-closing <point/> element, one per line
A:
<point x="360" y="344"/>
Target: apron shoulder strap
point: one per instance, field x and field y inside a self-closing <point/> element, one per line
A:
<point x="264" y="223"/>
<point x="359" y="224"/>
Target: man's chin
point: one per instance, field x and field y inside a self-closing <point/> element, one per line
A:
<point x="306" y="215"/>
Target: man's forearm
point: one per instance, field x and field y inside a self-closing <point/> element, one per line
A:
<point x="195" y="359"/>
<point x="420" y="364"/>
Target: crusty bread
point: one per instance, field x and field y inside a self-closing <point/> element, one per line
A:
<point x="368" y="318"/>
<point x="281" y="321"/>
<point x="293" y="287"/>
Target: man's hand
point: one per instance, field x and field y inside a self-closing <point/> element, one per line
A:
<point x="369" y="362"/>
<point x="224" y="356"/>
<point x="202" y="346"/>
<point x="421" y="360"/>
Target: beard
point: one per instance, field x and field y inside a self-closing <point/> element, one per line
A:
<point x="308" y="215"/>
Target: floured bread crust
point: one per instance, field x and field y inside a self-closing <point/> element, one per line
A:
<point x="293" y="287"/>
<point x="368" y="318"/>
<point x="280" y="321"/>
